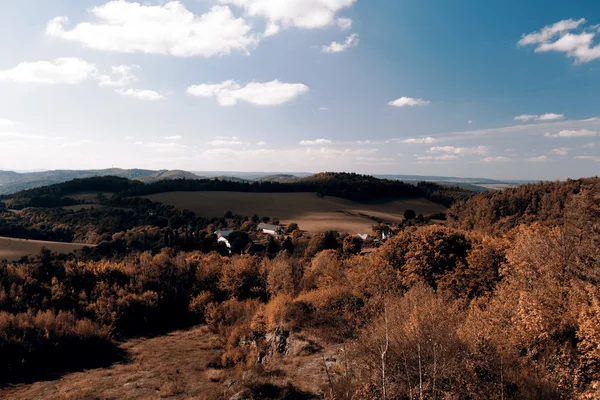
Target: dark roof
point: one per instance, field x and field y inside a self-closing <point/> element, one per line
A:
<point x="225" y="234"/>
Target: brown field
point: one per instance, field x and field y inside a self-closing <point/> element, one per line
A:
<point x="13" y="249"/>
<point x="310" y="212"/>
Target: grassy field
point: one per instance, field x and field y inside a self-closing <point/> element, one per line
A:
<point x="310" y="212"/>
<point x="13" y="249"/>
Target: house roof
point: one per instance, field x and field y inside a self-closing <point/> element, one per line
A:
<point x="269" y="227"/>
<point x="225" y="234"/>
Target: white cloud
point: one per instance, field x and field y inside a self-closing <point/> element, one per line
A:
<point x="316" y="142"/>
<point x="549" y="31"/>
<point x="261" y="144"/>
<point x="227" y="141"/>
<point x="169" y="28"/>
<point x="588" y="158"/>
<point x="445" y="157"/>
<point x="271" y="93"/>
<point x="175" y="137"/>
<point x="335" y="47"/>
<point x="425" y="140"/>
<point x="323" y="109"/>
<point x="408" y="102"/>
<point x="538" y="159"/>
<point x="129" y="138"/>
<point x="572" y="133"/>
<point x="496" y="159"/>
<point x="68" y="71"/>
<point x="558" y="38"/>
<point x="543" y="117"/>
<point x="4" y="122"/>
<point x="140" y="94"/>
<point x="563" y="151"/>
<point x="470" y="122"/>
<point x="589" y="145"/>
<point x="344" y="23"/>
<point x="306" y="14"/>
<point x="123" y="75"/>
<point x="460" y="150"/>
<point x="375" y="160"/>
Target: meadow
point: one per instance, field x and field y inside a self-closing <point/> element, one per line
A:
<point x="13" y="249"/>
<point x="312" y="213"/>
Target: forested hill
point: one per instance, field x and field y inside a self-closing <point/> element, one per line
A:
<point x="344" y="185"/>
<point x="13" y="182"/>
<point x="546" y="202"/>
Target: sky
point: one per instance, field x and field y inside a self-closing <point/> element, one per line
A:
<point x="497" y="89"/>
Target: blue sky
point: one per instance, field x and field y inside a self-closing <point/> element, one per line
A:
<point x="464" y="88"/>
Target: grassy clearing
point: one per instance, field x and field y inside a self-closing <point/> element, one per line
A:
<point x="13" y="249"/>
<point x="312" y="213"/>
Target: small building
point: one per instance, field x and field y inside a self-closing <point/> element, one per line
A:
<point x="270" y="229"/>
<point x="363" y="236"/>
<point x="223" y="238"/>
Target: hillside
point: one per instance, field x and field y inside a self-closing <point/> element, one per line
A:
<point x="312" y="213"/>
<point x="343" y="185"/>
<point x="545" y="202"/>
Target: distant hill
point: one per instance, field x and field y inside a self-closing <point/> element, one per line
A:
<point x="343" y="185"/>
<point x="276" y="178"/>
<point x="13" y="182"/>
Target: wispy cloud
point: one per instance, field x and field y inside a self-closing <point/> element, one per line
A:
<point x="496" y="159"/>
<point x="589" y="158"/>
<point x="316" y="142"/>
<point x="445" y="157"/>
<point x="460" y="150"/>
<point x="543" y="117"/>
<point x="572" y="133"/>
<point x="538" y="159"/>
<point x="563" y="151"/>
<point x="335" y="47"/>
<point x="424" y="140"/>
<point x="223" y="141"/>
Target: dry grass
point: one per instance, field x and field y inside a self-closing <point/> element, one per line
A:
<point x="175" y="366"/>
<point x="312" y="213"/>
<point x="13" y="249"/>
<point x="170" y="366"/>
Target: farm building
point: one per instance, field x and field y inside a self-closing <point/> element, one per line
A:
<point x="223" y="237"/>
<point x="270" y="229"/>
